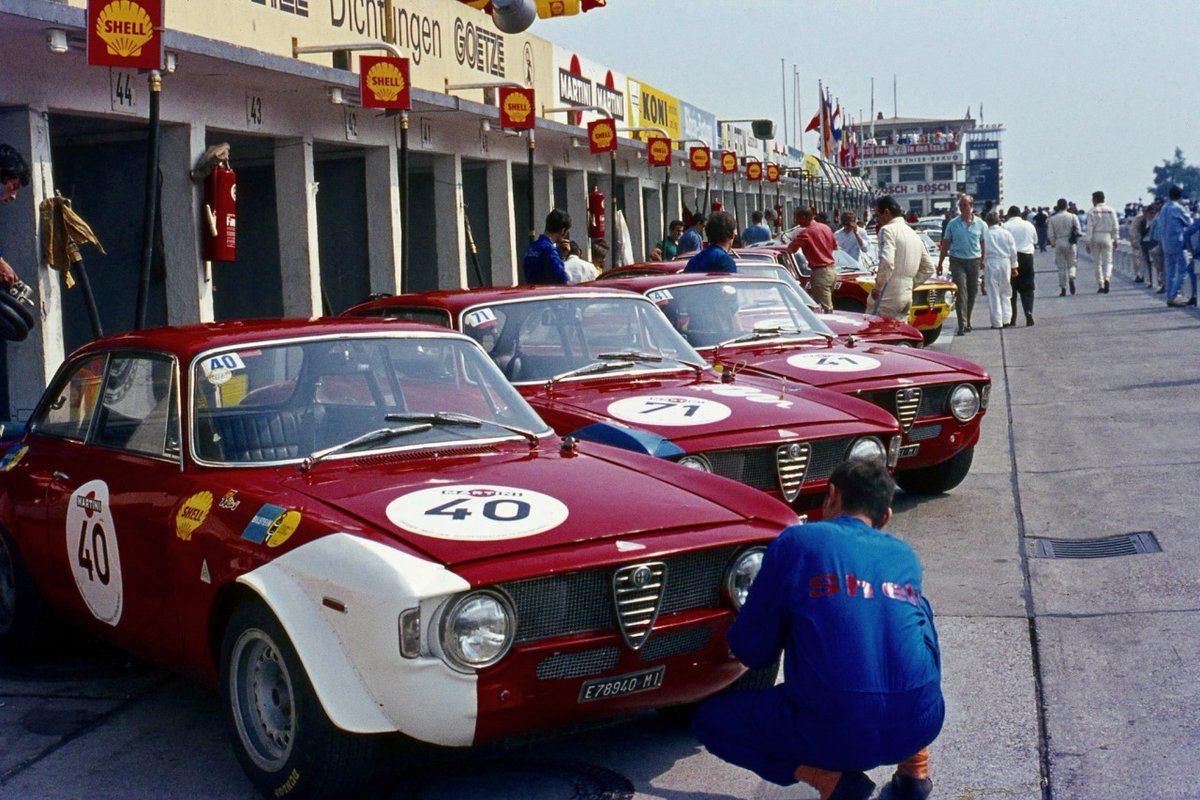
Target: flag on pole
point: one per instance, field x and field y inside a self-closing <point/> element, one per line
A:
<point x="814" y="123"/>
<point x="826" y="126"/>
<point x="837" y="122"/>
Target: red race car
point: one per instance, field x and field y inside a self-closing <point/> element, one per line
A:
<point x="602" y="364"/>
<point x="761" y="326"/>
<point x="358" y="527"/>
<point x="843" y="324"/>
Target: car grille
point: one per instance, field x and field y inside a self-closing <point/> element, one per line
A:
<point x="576" y="665"/>
<point x="769" y="468"/>
<point x="580" y="602"/>
<point x="675" y="644"/>
<point x="638" y="590"/>
<point x="921" y="297"/>
<point x="925" y="432"/>
<point x="931" y="402"/>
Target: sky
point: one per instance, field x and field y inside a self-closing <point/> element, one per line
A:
<point x="1092" y="95"/>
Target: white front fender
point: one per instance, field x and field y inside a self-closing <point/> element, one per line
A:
<point x="352" y="657"/>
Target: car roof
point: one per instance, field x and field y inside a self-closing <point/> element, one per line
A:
<point x="457" y="300"/>
<point x="186" y="341"/>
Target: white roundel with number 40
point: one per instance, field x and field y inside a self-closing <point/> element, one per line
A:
<point x="92" y="551"/>
<point x="476" y="512"/>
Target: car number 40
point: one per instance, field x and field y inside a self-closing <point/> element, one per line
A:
<point x="92" y="551"/>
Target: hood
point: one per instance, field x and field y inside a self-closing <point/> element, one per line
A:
<point x="839" y="367"/>
<point x="459" y="510"/>
<point x="698" y="414"/>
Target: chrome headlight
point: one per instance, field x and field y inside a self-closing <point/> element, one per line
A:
<point x="478" y="629"/>
<point x="949" y="297"/>
<point x="741" y="575"/>
<point x="964" y="402"/>
<point x="696" y="461"/>
<point x="868" y="447"/>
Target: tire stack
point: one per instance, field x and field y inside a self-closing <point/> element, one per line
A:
<point x="17" y="316"/>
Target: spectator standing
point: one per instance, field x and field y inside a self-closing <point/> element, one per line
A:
<point x="1063" y="232"/>
<point x="691" y="240"/>
<point x="668" y="249"/>
<point x="999" y="269"/>
<point x="842" y="602"/>
<point x="1025" y="236"/>
<point x="1103" y="234"/>
<point x="963" y="242"/>
<point x="850" y="237"/>
<point x="720" y="230"/>
<point x="1191" y="239"/>
<point x="817" y="243"/>
<point x="757" y="232"/>
<point x="904" y="263"/>
<point x="578" y="270"/>
<point x="599" y="254"/>
<point x="1040" y="223"/>
<point x="1154" y="236"/>
<point x="1137" y="232"/>
<point x="1175" y="221"/>
<point x="14" y="174"/>
<point x="543" y="264"/>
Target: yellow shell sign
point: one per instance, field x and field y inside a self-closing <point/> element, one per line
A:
<point x="125" y="27"/>
<point x="192" y="513"/>
<point x="660" y="152"/>
<point x="125" y="33"/>
<point x="602" y="136"/>
<point x="385" y="81"/>
<point x="700" y="158"/>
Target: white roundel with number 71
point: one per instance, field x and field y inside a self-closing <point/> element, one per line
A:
<point x="668" y="409"/>
<point x="92" y="551"/>
<point x="476" y="512"/>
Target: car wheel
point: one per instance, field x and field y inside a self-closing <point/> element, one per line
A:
<point x="281" y="735"/>
<point x="848" y="304"/>
<point x="21" y="606"/>
<point x="931" y="335"/>
<point x="938" y="478"/>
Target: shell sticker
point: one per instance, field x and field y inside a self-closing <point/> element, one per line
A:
<point x="125" y="28"/>
<point x="192" y="513"/>
<point x="272" y="525"/>
<point x="833" y="362"/>
<point x="385" y="80"/>
<point x="92" y="552"/>
<point x="669" y="410"/>
<point x="12" y="458"/>
<point x="477" y="512"/>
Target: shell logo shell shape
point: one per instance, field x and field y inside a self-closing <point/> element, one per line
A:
<point x="660" y="149"/>
<point x="386" y="81"/>
<point x="516" y="106"/>
<point x="602" y="134"/>
<point x="125" y="27"/>
<point x="700" y="158"/>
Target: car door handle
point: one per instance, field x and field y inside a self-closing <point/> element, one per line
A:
<point x="61" y="476"/>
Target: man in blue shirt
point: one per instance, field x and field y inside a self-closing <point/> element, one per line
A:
<point x="715" y="258"/>
<point x="543" y="263"/>
<point x="963" y="242"/>
<point x="1174" y="221"/>
<point x="757" y="232"/>
<point x="841" y="600"/>
<point x="690" y="242"/>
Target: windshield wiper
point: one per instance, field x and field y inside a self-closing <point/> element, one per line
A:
<point x="767" y="332"/>
<point x="464" y="420"/>
<point x="379" y="435"/>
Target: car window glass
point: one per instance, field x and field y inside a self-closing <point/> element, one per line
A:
<point x="486" y="326"/>
<point x="68" y="410"/>
<point x="137" y="407"/>
<point x="429" y="316"/>
<point x="710" y="313"/>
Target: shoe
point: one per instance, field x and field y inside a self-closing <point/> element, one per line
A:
<point x="1139" y="280"/>
<point x="1010" y="324"/>
<point x="1107" y="286"/>
<point x="961" y="332"/>
<point x="997" y="327"/>
<point x="855" y="786"/>
<point x="1062" y="292"/>
<point x="1028" y="320"/>
<point x="1161" y="290"/>
<point x="1072" y="285"/>
<point x="1191" y="301"/>
<point x="1176" y="303"/>
<point x="907" y="788"/>
<point x="969" y="329"/>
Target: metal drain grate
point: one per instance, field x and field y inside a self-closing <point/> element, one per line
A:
<point x="1127" y="544"/>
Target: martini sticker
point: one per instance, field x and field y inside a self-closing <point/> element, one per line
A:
<point x="476" y="512"/>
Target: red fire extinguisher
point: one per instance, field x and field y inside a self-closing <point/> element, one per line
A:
<point x="595" y="226"/>
<point x="778" y="217"/>
<point x="220" y="214"/>
<point x="717" y="205"/>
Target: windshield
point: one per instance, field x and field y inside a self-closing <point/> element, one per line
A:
<point x="539" y="339"/>
<point x="779" y="272"/>
<point x="282" y="401"/>
<point x="708" y="314"/>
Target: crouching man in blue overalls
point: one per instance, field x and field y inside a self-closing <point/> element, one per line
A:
<point x="862" y="669"/>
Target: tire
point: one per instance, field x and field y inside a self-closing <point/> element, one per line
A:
<point x="931" y="335"/>
<point x="280" y="733"/>
<point x="12" y="323"/>
<point x="848" y="304"/>
<point x="938" y="478"/>
<point x="22" y="611"/>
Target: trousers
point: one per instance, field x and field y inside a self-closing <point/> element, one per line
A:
<point x="821" y="286"/>
<point x="1022" y="285"/>
<point x="763" y="731"/>
<point x="965" y="272"/>
<point x="1102" y="255"/>
<point x="999" y="294"/>
<point x="1175" y="265"/>
<point x="1064" y="259"/>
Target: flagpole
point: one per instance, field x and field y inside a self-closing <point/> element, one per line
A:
<point x="783" y="89"/>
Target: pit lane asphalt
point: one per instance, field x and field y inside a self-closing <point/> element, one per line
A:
<point x="1063" y="678"/>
